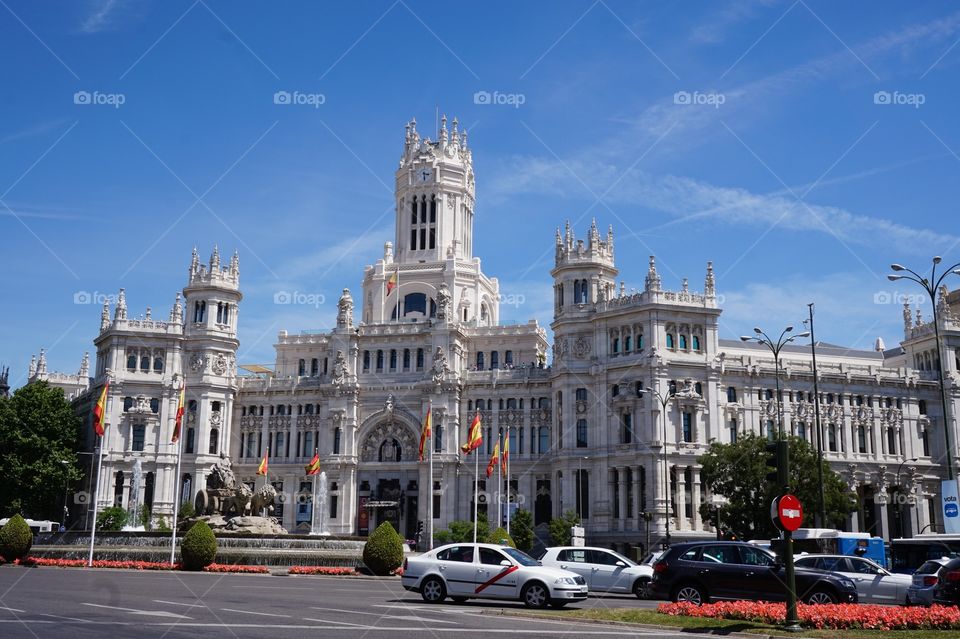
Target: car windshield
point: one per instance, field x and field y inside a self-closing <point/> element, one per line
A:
<point x="629" y="562"/>
<point x="521" y="558"/>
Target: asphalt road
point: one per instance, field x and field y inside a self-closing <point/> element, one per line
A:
<point x="50" y="602"/>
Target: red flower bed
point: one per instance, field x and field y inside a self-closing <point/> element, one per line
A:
<point x="830" y="616"/>
<point x="321" y="570"/>
<point x="237" y="568"/>
<point x="99" y="563"/>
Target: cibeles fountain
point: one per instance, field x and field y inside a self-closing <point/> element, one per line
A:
<point x="133" y="514"/>
<point x="229" y="506"/>
<point x="319" y="516"/>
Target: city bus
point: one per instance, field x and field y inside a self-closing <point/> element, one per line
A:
<point x="908" y="554"/>
<point x="826" y="541"/>
<point x="36" y="527"/>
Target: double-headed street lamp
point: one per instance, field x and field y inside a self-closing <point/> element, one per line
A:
<point x="792" y="620"/>
<point x="900" y="493"/>
<point x="664" y="402"/>
<point x="931" y="285"/>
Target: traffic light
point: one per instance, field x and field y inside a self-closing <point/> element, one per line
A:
<point x="777" y="462"/>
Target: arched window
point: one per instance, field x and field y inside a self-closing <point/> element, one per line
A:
<point x="157" y="364"/>
<point x="314" y="367"/>
<point x="393" y="359"/>
<point x="337" y="434"/>
<point x="696" y="342"/>
<point x="669" y="340"/>
<point x="419" y="359"/>
<point x="698" y="388"/>
<point x="145" y="363"/>
<point x="438" y="438"/>
<point x="508" y="358"/>
<point x="683" y="341"/>
<point x="390" y="450"/>
<point x="154" y="405"/>
<point x="127" y="403"/>
<point x="626" y="343"/>
<point x="731" y="394"/>
<point x="186" y="488"/>
<point x="406" y="359"/>
<point x="480" y="404"/>
<point x="379" y="361"/>
<point x="640" y="342"/>
<point x="480" y="360"/>
<point x="615" y="390"/>
<point x="214" y="441"/>
<point x="415" y="303"/>
<point x="132" y="362"/>
<point x="616" y="345"/>
<point x="366" y="360"/>
<point x="576" y="291"/>
<point x="494" y="359"/>
<point x="301" y="367"/>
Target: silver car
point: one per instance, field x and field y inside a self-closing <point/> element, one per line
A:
<point x="875" y="584"/>
<point x="920" y="592"/>
<point x="604" y="570"/>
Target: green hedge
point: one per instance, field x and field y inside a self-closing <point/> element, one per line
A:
<point x="383" y="552"/>
<point x="198" y="548"/>
<point x="15" y="539"/>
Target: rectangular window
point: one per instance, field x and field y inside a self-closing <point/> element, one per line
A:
<point x="581" y="433"/>
<point x="733" y="431"/>
<point x="308" y="444"/>
<point x="891" y="441"/>
<point x="139" y="434"/>
<point x="333" y="506"/>
<point x="687" y="427"/>
<point x="581" y="394"/>
<point x="583" y="493"/>
<point x="627" y="436"/>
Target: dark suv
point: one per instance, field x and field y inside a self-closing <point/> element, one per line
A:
<point x="700" y="571"/>
<point x="947" y="590"/>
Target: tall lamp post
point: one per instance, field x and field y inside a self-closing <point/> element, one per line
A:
<point x="792" y="620"/>
<point x="822" y="508"/>
<point x="900" y="493"/>
<point x="931" y="285"/>
<point x="664" y="402"/>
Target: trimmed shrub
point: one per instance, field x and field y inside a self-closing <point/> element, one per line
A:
<point x="383" y="552"/>
<point x="15" y="539"/>
<point x="198" y="548"/>
<point x="112" y="519"/>
<point x="186" y="511"/>
<point x="500" y="536"/>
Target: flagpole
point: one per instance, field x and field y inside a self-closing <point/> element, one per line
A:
<point x="96" y="497"/>
<point x="176" y="501"/>
<point x="499" y="484"/>
<point x="507" y="464"/>
<point x="476" y="493"/>
<point x="430" y="480"/>
<point x="313" y="509"/>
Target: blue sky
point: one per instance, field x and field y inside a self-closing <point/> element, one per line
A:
<point x="748" y="133"/>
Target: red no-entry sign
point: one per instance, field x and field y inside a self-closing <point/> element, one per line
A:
<point x="789" y="512"/>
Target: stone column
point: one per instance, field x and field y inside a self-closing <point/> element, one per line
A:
<point x="681" y="498"/>
<point x="697" y="524"/>
<point x="622" y="479"/>
<point x="883" y="523"/>
<point x="637" y="495"/>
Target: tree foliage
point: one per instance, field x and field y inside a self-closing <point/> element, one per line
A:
<point x="521" y="528"/>
<point x="461" y="531"/>
<point x="500" y="536"/>
<point x="198" y="548"/>
<point x="738" y="472"/>
<point x="112" y="519"/>
<point x="560" y="528"/>
<point x="16" y="538"/>
<point x="38" y="432"/>
<point x="383" y="552"/>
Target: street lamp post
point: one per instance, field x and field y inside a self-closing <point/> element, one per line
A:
<point x="900" y="493"/>
<point x="792" y="620"/>
<point x="664" y="402"/>
<point x="931" y="285"/>
<point x="822" y="509"/>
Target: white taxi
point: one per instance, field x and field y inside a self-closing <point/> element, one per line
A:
<point x="604" y="570"/>
<point x="490" y="571"/>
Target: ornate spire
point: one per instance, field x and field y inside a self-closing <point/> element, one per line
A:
<point x="33" y="367"/>
<point x="176" y="311"/>
<point x="710" y="284"/>
<point x="215" y="259"/>
<point x="455" y="134"/>
<point x="105" y="316"/>
<point x="42" y="363"/>
<point x="610" y="238"/>
<point x="121" y="311"/>
<point x="943" y="309"/>
<point x="85" y="366"/>
<point x="463" y="141"/>
<point x="345" y="310"/>
<point x="235" y="264"/>
<point x="569" y="235"/>
<point x="919" y="320"/>
<point x="443" y="130"/>
<point x="652" y="283"/>
<point x="686" y="286"/>
<point x="907" y="320"/>
<point x="149" y="315"/>
<point x="194" y="262"/>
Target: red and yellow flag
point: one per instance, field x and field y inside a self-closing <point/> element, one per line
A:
<point x="494" y="459"/>
<point x="313" y="468"/>
<point x="100" y="411"/>
<point x="392" y="282"/>
<point x="474" y="436"/>
<point x="426" y="430"/>
<point x="506" y="452"/>
<point x="262" y="468"/>
<point x="179" y="419"/>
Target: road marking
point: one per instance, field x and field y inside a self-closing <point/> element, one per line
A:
<point x="43" y="614"/>
<point x="181" y="603"/>
<point x="251" y="612"/>
<point x="11" y="609"/>
<point x="134" y="611"/>
<point x="342" y="623"/>
<point x="384" y="615"/>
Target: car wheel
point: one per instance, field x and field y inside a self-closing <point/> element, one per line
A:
<point x="535" y="595"/>
<point x="458" y="599"/>
<point x="690" y="593"/>
<point x="821" y="597"/>
<point x="640" y="588"/>
<point x="432" y="590"/>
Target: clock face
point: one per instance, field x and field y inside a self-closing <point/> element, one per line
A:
<point x="424" y="175"/>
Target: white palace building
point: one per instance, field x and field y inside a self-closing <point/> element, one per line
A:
<point x="581" y="437"/>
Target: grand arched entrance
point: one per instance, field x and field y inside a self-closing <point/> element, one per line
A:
<point x="389" y="475"/>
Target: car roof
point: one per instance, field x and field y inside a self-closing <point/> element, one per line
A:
<point x="479" y="544"/>
<point x="833" y="556"/>
<point x="580" y="548"/>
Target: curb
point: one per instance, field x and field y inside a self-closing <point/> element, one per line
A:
<point x="645" y="626"/>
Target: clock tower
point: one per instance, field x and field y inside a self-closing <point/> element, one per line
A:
<point x="435" y="197"/>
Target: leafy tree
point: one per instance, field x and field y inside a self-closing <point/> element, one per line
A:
<point x="461" y="531"/>
<point x="198" y="548"/>
<point x="738" y="472"/>
<point x="560" y="528"/>
<point x="521" y="528"/>
<point x="383" y="552"/>
<point x="112" y="519"/>
<point x="500" y="536"/>
<point x="186" y="511"/>
<point x="39" y="431"/>
<point x="16" y="538"/>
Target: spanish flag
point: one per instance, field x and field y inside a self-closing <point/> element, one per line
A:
<point x="392" y="282"/>
<point x="179" y="418"/>
<point x="262" y="468"/>
<point x="494" y="459"/>
<point x="426" y="430"/>
<point x="313" y="468"/>
<point x="100" y="410"/>
<point x="506" y="452"/>
<point x="474" y="436"/>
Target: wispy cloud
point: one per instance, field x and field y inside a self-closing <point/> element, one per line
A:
<point x="107" y="15"/>
<point x="716" y="26"/>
